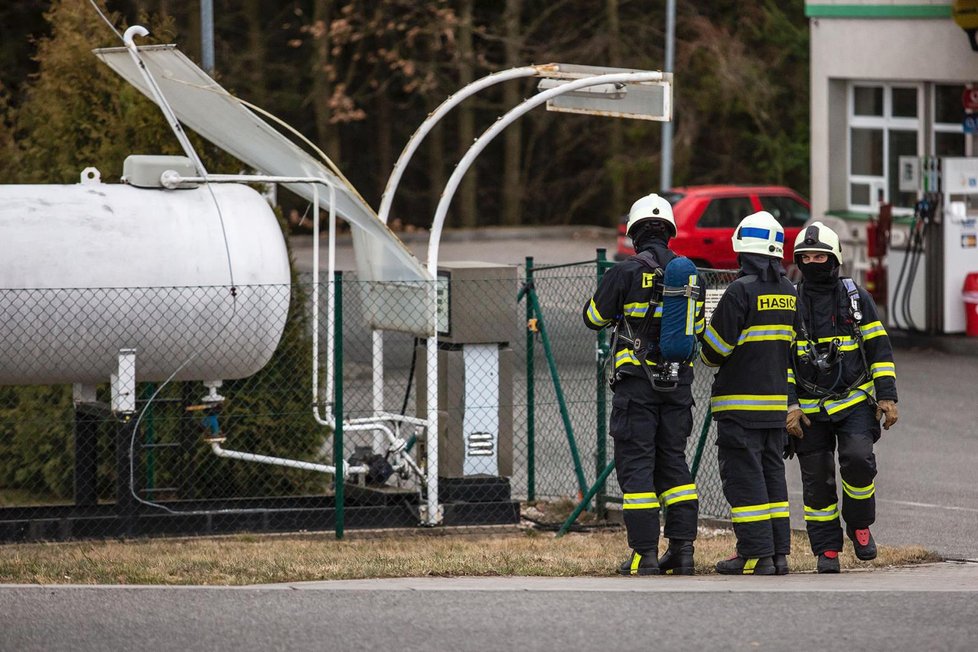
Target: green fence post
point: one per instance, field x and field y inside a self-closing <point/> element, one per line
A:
<point x="531" y="475"/>
<point x="601" y="448"/>
<point x="704" y="431"/>
<point x="602" y="478"/>
<point x="339" y="477"/>
<point x="564" y="413"/>
<point x="149" y="440"/>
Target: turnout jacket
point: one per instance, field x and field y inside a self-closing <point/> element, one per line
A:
<point x="749" y="338"/>
<point x="850" y="381"/>
<point x="625" y="293"/>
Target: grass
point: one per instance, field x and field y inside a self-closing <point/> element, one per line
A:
<point x="251" y="559"/>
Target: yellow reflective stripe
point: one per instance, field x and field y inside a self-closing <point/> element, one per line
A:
<point x="658" y="311"/>
<point x="595" y="316"/>
<point x="646" y="500"/>
<point x="854" y="397"/>
<point x="679" y="494"/>
<point x="881" y="369"/>
<point x="829" y="513"/>
<point x="769" y="333"/>
<point x="859" y="493"/>
<point x="625" y="356"/>
<point x="638" y="309"/>
<point x="636" y="558"/>
<point x="846" y="342"/>
<point x="750" y="564"/>
<point x="791" y="376"/>
<point x="716" y="342"/>
<point x="871" y="330"/>
<point x="691" y="305"/>
<point x="779" y="510"/>
<point x="751" y="513"/>
<point x="755" y="402"/>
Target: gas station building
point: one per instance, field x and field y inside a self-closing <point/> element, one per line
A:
<point x="889" y="80"/>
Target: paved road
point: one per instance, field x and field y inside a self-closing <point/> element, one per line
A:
<point x="927" y="608"/>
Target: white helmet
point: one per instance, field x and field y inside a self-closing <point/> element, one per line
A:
<point x="759" y="233"/>
<point x="819" y="239"/>
<point x="651" y="207"/>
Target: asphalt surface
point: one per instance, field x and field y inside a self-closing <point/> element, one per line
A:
<point x="925" y="496"/>
<point x="927" y="608"/>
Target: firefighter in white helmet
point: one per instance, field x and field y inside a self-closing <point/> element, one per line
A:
<point x="649" y="425"/>
<point x="749" y="339"/>
<point x="843" y="382"/>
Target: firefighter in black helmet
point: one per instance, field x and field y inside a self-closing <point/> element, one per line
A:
<point x="650" y="426"/>
<point x="749" y="338"/>
<point x="843" y="382"/>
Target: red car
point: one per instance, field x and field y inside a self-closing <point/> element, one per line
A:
<point x="706" y="217"/>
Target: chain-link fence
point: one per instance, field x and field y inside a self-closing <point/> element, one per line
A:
<point x="86" y="451"/>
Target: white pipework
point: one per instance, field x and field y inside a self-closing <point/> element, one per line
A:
<point x="434" y="239"/>
<point x="175" y="126"/>
<point x="292" y="464"/>
<point x="402" y="162"/>
<point x="395" y="444"/>
<point x="429" y="123"/>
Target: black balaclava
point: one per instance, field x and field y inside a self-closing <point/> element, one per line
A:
<point x="820" y="276"/>
<point x="766" y="268"/>
<point x="653" y="235"/>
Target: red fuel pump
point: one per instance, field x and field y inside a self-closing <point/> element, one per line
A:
<point x="877" y="239"/>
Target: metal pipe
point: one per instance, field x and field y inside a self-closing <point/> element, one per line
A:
<point x="171" y="118"/>
<point x="338" y="481"/>
<point x="434" y="240"/>
<point x="429" y="123"/>
<point x="665" y="171"/>
<point x="281" y="461"/>
<point x="207" y="35"/>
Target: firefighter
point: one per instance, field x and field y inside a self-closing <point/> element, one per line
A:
<point x="749" y="339"/>
<point x="843" y="382"/>
<point x="650" y="423"/>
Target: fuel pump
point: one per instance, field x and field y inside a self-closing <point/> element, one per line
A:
<point x="929" y="261"/>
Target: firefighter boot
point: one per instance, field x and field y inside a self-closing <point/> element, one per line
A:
<point x="639" y="564"/>
<point x="780" y="564"/>
<point x="828" y="562"/>
<point x="862" y="542"/>
<point x="677" y="559"/>
<point x="738" y="565"/>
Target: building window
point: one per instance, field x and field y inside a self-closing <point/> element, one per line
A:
<point x="949" y="137"/>
<point x="884" y="125"/>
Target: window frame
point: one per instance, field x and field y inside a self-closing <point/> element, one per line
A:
<point x="885" y="123"/>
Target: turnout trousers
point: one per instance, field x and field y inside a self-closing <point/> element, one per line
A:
<point x="650" y="430"/>
<point x="855" y="432"/>
<point x="752" y="473"/>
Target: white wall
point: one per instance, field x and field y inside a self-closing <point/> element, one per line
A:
<point x="879" y="49"/>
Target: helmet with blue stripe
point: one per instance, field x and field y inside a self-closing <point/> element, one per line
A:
<point x="759" y="233"/>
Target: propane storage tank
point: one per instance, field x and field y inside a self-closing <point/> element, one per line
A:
<point x="196" y="280"/>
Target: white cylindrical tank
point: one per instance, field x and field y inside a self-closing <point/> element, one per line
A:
<point x="89" y="269"/>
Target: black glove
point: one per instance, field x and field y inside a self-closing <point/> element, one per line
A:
<point x="789" y="447"/>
